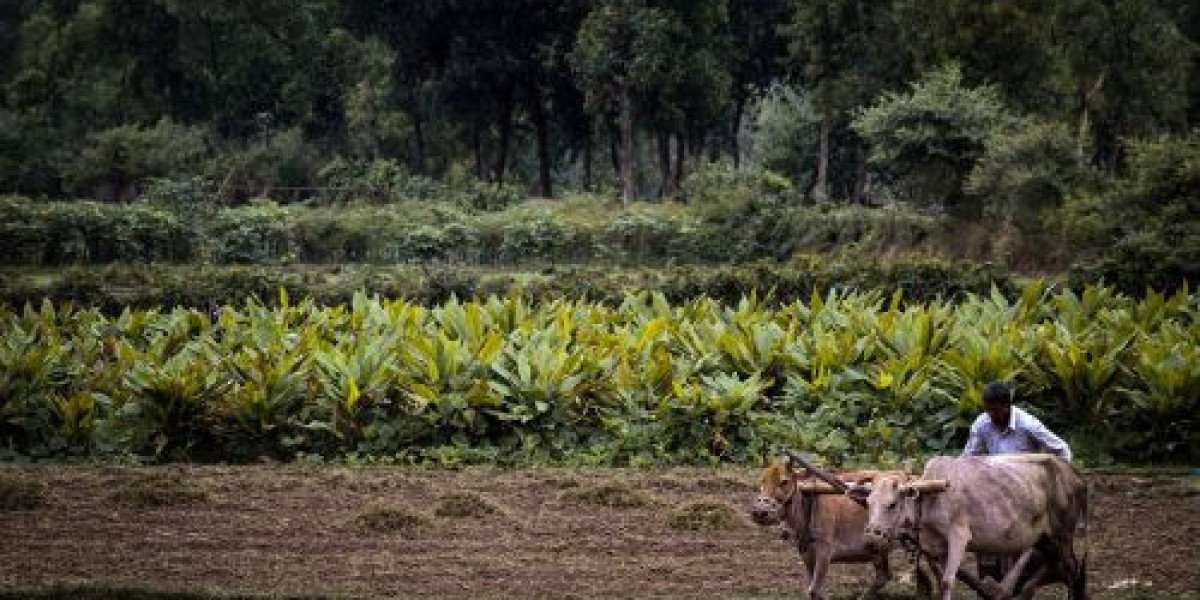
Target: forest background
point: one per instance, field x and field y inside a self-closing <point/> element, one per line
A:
<point x="188" y="154"/>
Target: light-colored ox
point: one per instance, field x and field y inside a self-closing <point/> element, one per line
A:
<point x="1017" y="505"/>
<point x="826" y="528"/>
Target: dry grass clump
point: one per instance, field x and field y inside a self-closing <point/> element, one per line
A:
<point x="613" y="495"/>
<point x="385" y="517"/>
<point x="559" y="482"/>
<point x="671" y="483"/>
<point x="19" y="492"/>
<point x="722" y="483"/>
<point x="160" y="489"/>
<point x="465" y="504"/>
<point x="709" y="514"/>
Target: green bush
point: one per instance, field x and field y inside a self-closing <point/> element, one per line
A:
<point x="89" y="232"/>
<point x="257" y="234"/>
<point x="928" y="139"/>
<point x="113" y="164"/>
<point x="1153" y="234"/>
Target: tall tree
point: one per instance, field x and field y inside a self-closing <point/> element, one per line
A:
<point x="1129" y="65"/>
<point x="842" y="51"/>
<point x="755" y="52"/>
<point x="622" y="49"/>
<point x="928" y="139"/>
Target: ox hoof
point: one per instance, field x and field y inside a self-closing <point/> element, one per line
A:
<point x="993" y="588"/>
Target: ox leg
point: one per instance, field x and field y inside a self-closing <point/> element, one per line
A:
<point x="1009" y="583"/>
<point x="956" y="547"/>
<point x="818" y="569"/>
<point x="1040" y="578"/>
<point x="883" y="574"/>
<point x="924" y="584"/>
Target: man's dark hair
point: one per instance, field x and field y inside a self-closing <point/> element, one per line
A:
<point x="997" y="392"/>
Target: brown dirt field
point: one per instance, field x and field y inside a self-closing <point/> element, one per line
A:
<point x="556" y="533"/>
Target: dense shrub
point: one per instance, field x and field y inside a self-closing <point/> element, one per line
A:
<point x="114" y="164"/>
<point x="1150" y="236"/>
<point x="90" y="232"/>
<point x="256" y="234"/>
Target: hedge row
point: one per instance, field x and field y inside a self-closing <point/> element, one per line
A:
<point x="116" y="287"/>
<point x="587" y="230"/>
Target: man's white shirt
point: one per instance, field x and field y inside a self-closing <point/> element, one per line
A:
<point x="1025" y="433"/>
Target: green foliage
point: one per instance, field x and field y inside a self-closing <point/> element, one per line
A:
<point x="278" y="159"/>
<point x="255" y="234"/>
<point x="114" y="288"/>
<point x="785" y="134"/>
<point x="851" y="376"/>
<point x="1152" y="236"/>
<point x="1026" y="170"/>
<point x="59" y="233"/>
<point x="115" y="163"/>
<point x="928" y="139"/>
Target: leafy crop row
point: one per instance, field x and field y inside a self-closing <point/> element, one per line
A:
<point x="849" y="376"/>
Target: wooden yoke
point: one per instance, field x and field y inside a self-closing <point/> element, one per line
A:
<point x="986" y="592"/>
<point x="928" y="486"/>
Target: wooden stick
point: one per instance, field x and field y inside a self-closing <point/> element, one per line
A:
<point x="817" y="487"/>
<point x="972" y="582"/>
<point x="928" y="486"/>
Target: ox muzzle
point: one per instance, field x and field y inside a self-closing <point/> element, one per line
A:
<point x="766" y="511"/>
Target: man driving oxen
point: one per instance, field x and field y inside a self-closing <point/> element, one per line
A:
<point x="1006" y="429"/>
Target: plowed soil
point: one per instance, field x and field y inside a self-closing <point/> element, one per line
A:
<point x="554" y="533"/>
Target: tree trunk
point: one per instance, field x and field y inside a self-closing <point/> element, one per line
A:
<point x="614" y="146"/>
<point x="667" y="187"/>
<point x="739" y="106"/>
<point x="680" y="153"/>
<point x="587" y="158"/>
<point x="506" y="122"/>
<point x="1085" y="102"/>
<point x="821" y="188"/>
<point x="541" y="125"/>
<point x="860" y="176"/>
<point x="628" y="185"/>
<point x="477" y="142"/>
<point x="418" y="159"/>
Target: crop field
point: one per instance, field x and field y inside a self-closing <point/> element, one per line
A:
<point x="339" y="532"/>
<point x="850" y="377"/>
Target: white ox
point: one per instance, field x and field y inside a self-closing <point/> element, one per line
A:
<point x="1012" y="505"/>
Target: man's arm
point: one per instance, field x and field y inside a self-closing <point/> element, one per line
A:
<point x="976" y="446"/>
<point x="1047" y="439"/>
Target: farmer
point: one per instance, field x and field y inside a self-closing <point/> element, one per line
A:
<point x="1006" y="429"/>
